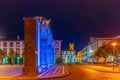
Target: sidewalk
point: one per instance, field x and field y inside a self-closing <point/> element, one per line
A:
<point x="104" y="68"/>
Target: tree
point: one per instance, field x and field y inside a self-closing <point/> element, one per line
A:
<point x="114" y="50"/>
<point x="1" y="51"/>
<point x="1" y="55"/>
<point x="103" y="51"/>
<point x="11" y="57"/>
<point x="17" y="58"/>
<point x="6" y="59"/>
<point x="109" y="49"/>
<point x="23" y="54"/>
<point x="57" y="59"/>
<point x="22" y="60"/>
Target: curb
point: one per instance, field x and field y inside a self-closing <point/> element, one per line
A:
<point x="101" y="70"/>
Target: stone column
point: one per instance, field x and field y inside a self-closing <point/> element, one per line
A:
<point x="29" y="68"/>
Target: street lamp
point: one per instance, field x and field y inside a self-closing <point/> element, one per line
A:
<point x="91" y="51"/>
<point x="114" y="44"/>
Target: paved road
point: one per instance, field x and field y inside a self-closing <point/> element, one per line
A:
<point x="78" y="72"/>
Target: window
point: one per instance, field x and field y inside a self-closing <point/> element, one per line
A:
<point x="11" y="44"/>
<point x="4" y="44"/>
<point x="18" y="51"/>
<point x="11" y="49"/>
<point x="5" y="51"/>
<point x="23" y="44"/>
<point x="56" y="44"/>
<point x="104" y="42"/>
<point x="56" y="49"/>
<point x="17" y="44"/>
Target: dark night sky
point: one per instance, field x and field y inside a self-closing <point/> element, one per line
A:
<point x="72" y="20"/>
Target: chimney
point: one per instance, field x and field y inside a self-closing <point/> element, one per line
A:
<point x="18" y="37"/>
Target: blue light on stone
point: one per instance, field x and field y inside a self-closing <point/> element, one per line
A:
<point x="38" y="41"/>
<point x="44" y="45"/>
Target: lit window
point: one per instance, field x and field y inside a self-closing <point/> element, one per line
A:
<point x="56" y="44"/>
<point x="18" y="51"/>
<point x="17" y="44"/>
<point x="11" y="49"/>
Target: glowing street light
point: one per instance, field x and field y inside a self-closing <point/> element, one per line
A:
<point x="114" y="44"/>
<point x="91" y="56"/>
<point x="91" y="51"/>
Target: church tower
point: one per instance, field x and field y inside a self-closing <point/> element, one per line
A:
<point x="71" y="46"/>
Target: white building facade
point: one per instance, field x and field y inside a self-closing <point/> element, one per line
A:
<point x="57" y="47"/>
<point x="57" y="51"/>
<point x="91" y="48"/>
<point x="17" y="45"/>
<point x="7" y="45"/>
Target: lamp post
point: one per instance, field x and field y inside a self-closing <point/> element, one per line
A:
<point x="113" y="44"/>
<point x="91" y="60"/>
<point x="91" y="51"/>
